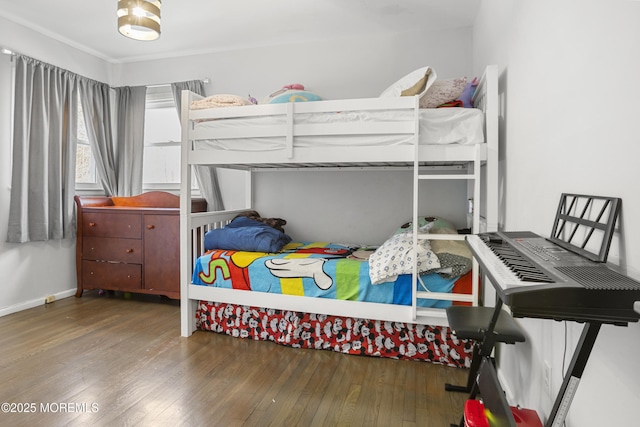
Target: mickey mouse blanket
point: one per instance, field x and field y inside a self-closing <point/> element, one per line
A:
<point x="312" y="269"/>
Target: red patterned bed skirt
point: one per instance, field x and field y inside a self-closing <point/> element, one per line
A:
<point x="395" y="340"/>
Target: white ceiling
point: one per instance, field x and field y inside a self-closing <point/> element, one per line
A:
<point x="199" y="26"/>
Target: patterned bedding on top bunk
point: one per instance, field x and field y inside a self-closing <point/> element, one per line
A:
<point x="250" y="254"/>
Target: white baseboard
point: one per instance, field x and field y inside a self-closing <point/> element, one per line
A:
<point x="36" y="302"/>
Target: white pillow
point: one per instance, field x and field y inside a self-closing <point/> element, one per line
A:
<point x="396" y="256"/>
<point x="412" y="80"/>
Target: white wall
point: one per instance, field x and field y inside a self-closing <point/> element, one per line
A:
<point x="361" y="207"/>
<point x="28" y="42"/>
<point x="569" y="83"/>
<point x="334" y="69"/>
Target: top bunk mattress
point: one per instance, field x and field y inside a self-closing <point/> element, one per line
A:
<point x="439" y="126"/>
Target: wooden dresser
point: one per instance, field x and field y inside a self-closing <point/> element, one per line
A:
<point x="130" y="244"/>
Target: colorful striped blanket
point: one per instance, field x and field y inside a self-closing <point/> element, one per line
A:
<point x="313" y="269"/>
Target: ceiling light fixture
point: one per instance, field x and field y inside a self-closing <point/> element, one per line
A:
<point x="139" y="19"/>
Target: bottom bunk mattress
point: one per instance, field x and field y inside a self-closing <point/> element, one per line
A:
<point x="317" y="269"/>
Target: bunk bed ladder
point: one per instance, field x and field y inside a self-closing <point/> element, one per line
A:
<point x="472" y="175"/>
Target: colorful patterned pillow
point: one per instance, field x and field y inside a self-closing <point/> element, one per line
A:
<point x="443" y="91"/>
<point x="294" y="96"/>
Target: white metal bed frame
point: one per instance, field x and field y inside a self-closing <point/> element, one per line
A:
<point x="473" y="157"/>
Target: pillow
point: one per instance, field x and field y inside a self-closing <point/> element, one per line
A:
<point x="395" y="257"/>
<point x="220" y="100"/>
<point x="467" y="94"/>
<point x="454" y="256"/>
<point x="294" y="96"/>
<point x="415" y="83"/>
<point x="443" y="91"/>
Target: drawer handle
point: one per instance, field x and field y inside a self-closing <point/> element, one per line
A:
<point x="129" y="251"/>
<point x="92" y="224"/>
<point x="151" y="227"/>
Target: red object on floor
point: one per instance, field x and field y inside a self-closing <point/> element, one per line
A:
<point x="526" y="417"/>
<point x="474" y="415"/>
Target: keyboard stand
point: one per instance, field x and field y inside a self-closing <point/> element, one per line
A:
<point x="574" y="374"/>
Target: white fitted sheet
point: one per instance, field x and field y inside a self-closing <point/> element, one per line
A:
<point x="440" y="126"/>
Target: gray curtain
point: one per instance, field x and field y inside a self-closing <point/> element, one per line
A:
<point x="45" y="141"/>
<point x="207" y="176"/>
<point x="130" y="109"/>
<point x="44" y="151"/>
<point x="96" y="106"/>
<point x="118" y="151"/>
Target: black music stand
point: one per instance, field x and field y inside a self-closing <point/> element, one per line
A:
<point x="582" y="220"/>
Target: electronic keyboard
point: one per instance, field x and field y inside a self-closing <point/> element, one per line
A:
<point x="537" y="278"/>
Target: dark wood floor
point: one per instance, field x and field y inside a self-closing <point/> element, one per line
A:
<point x="117" y="361"/>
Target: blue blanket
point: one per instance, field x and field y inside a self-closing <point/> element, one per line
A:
<point x="246" y="234"/>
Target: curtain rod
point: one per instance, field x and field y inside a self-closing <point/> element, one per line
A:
<point x="205" y="81"/>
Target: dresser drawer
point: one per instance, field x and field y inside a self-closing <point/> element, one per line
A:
<point x="112" y="249"/>
<point x="130" y="244"/>
<point x="126" y="225"/>
<point x="112" y="276"/>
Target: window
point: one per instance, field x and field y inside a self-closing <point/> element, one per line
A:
<point x="86" y="178"/>
<point x="161" y="157"/>
<point x="161" y="164"/>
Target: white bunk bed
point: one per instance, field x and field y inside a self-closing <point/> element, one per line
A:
<point x="286" y="136"/>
